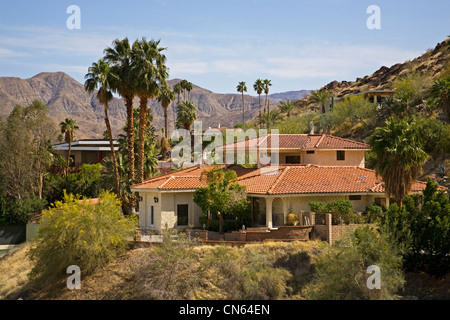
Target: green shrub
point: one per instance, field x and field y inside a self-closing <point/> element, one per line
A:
<point x="425" y="228"/>
<point x="341" y="272"/>
<point x="19" y="211"/>
<point x="79" y="232"/>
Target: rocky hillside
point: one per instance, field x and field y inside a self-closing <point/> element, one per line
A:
<point x="66" y="97"/>
<point x="430" y="64"/>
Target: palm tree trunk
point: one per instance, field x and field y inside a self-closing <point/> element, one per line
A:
<point x="113" y="152"/>
<point x="166" y="124"/>
<point x="68" y="157"/>
<point x="142" y="129"/>
<point x="130" y="137"/>
<point x="260" y="105"/>
<point x="243" y="109"/>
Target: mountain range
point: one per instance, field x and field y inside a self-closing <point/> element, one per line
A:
<point x="66" y="98"/>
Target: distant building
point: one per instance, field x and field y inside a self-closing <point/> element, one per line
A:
<point x="86" y="150"/>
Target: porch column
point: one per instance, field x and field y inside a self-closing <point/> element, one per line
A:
<point x="285" y="206"/>
<point x="269" y="202"/>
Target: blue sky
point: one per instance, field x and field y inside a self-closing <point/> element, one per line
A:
<point x="216" y="44"/>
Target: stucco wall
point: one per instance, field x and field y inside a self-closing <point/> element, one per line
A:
<point x="329" y="158"/>
<point x="165" y="214"/>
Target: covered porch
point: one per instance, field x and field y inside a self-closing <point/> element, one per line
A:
<point x="270" y="211"/>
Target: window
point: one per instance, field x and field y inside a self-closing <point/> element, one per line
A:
<point x="292" y="159"/>
<point x="354" y="197"/>
<point x="340" y="155"/>
<point x="309" y="151"/>
<point x="182" y="214"/>
<point x="152" y="215"/>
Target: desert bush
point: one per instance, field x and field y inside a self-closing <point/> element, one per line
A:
<point x="170" y="270"/>
<point x="246" y="274"/>
<point x="341" y="272"/>
<point x="80" y="232"/>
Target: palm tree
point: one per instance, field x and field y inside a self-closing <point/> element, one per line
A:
<point x="267" y="84"/>
<point x="241" y="87"/>
<point x="186" y="115"/>
<point x="178" y="89"/>
<point x="258" y="86"/>
<point x="287" y="106"/>
<point x="68" y="128"/>
<point x="119" y="55"/>
<point x="149" y="71"/>
<point x="440" y="93"/>
<point x="99" y="75"/>
<point x="320" y="97"/>
<point x="186" y="87"/>
<point x="398" y="156"/>
<point x="165" y="98"/>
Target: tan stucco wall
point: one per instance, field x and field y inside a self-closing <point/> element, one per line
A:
<point x="329" y="158"/>
<point x="165" y="210"/>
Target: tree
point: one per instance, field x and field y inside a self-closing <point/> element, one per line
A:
<point x="165" y="97"/>
<point x="150" y="160"/>
<point x="223" y="195"/>
<point x="79" y="232"/>
<point x="186" y="115"/>
<point x="398" y="156"/>
<point x="287" y="106"/>
<point x="26" y="151"/>
<point x="164" y="144"/>
<point x="149" y="73"/>
<point x="100" y="76"/>
<point x="320" y="97"/>
<point x="119" y="55"/>
<point x="241" y="87"/>
<point x="258" y="86"/>
<point x="186" y="87"/>
<point x="440" y="93"/>
<point x="68" y="128"/>
<point x="424" y="227"/>
<point x="267" y="84"/>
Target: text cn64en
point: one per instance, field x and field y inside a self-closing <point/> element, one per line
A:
<point x="246" y="309"/>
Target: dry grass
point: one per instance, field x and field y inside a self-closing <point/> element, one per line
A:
<point x="123" y="277"/>
<point x="14" y="269"/>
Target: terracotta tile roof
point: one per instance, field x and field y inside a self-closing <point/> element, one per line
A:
<point x="186" y="179"/>
<point x="284" y="179"/>
<point x="299" y="141"/>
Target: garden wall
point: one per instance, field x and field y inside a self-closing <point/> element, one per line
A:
<point x="330" y="233"/>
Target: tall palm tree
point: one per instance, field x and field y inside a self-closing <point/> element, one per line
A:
<point x="258" y="86"/>
<point x="149" y="71"/>
<point x="178" y="89"/>
<point x="241" y="87"/>
<point x="165" y="97"/>
<point x="320" y="97"/>
<point x="186" y="115"/>
<point x="440" y="93"/>
<point x="100" y="76"/>
<point x="267" y="84"/>
<point x="68" y="128"/>
<point x="287" y="106"/>
<point x="119" y="55"/>
<point x="186" y="87"/>
<point x="398" y="156"/>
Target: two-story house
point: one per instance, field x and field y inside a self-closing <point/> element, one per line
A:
<point x="311" y="167"/>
